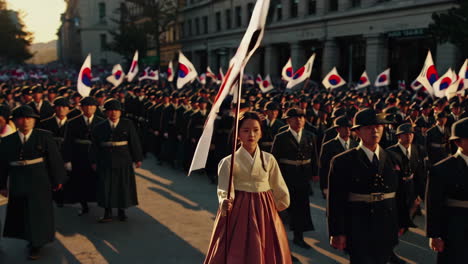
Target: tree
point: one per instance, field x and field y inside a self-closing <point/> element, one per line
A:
<point x="452" y="26"/>
<point x="15" y="41"/>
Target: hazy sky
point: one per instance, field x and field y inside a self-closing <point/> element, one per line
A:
<point x="42" y="17"/>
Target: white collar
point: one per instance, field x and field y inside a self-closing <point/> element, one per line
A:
<point x="270" y="122"/>
<point x="342" y="141"/>
<point x="88" y="118"/>
<point x="38" y="104"/>
<point x="441" y="129"/>
<point x="61" y="122"/>
<point x="465" y="157"/>
<point x="403" y="149"/>
<point x="23" y="136"/>
<point x="246" y="154"/>
<point x="112" y="124"/>
<point x="297" y="135"/>
<point x="369" y="152"/>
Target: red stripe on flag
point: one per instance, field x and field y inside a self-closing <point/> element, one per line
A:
<point x="223" y="85"/>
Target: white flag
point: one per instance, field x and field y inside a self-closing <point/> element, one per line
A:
<point x="117" y="76"/>
<point x="302" y="74"/>
<point x="383" y="79"/>
<point x="133" y="72"/>
<point x="85" y="77"/>
<point x="187" y="72"/>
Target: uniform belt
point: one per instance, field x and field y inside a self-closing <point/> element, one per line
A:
<point x="114" y="143"/>
<point x="457" y="203"/>
<point x="370" y="198"/>
<point x="60" y="139"/>
<point x="408" y="178"/>
<point x="267" y="144"/>
<point x="83" y="141"/>
<point x="26" y="162"/>
<point x="435" y="145"/>
<point x="295" y="162"/>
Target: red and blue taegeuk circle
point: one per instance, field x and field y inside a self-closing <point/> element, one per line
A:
<point x="432" y="75"/>
<point x="86" y="76"/>
<point x="266" y="84"/>
<point x="362" y="80"/>
<point x="334" y="79"/>
<point x="118" y="74"/>
<point x="134" y="64"/>
<point x="183" y="70"/>
<point x="383" y="78"/>
<point x="445" y="83"/>
<point x="289" y="72"/>
<point x="299" y="73"/>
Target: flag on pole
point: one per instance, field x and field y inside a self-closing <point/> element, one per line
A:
<point x="249" y="44"/>
<point x="85" y="77"/>
<point x="452" y="90"/>
<point x="170" y="72"/>
<point x="287" y="72"/>
<point x="266" y="85"/>
<point x="428" y="75"/>
<point x="363" y="81"/>
<point x="133" y="68"/>
<point x="149" y="74"/>
<point x="383" y="79"/>
<point x="117" y="76"/>
<point x="187" y="72"/>
<point x="210" y="74"/>
<point x="416" y="85"/>
<point x="302" y="74"/>
<point x="463" y="75"/>
<point x="443" y="83"/>
<point x="259" y="79"/>
<point x="333" y="80"/>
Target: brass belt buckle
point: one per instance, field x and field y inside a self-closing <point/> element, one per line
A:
<point x="377" y="197"/>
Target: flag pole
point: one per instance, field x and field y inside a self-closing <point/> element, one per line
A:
<point x="233" y="155"/>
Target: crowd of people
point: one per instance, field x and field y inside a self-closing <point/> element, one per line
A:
<point x="378" y="154"/>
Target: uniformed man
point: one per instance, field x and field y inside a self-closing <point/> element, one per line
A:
<point x="81" y="188"/>
<point x="447" y="201"/>
<point x="342" y="142"/>
<point x="362" y="184"/>
<point x="271" y="126"/>
<point x="116" y="149"/>
<point x="40" y="107"/>
<point x="295" y="150"/>
<point x="75" y="109"/>
<point x="31" y="162"/>
<point x="437" y="140"/>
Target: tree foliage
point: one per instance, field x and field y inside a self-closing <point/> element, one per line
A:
<point x="15" y="41"/>
<point x="452" y="26"/>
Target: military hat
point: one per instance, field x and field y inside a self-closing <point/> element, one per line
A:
<point x="368" y="117"/>
<point x="112" y="104"/>
<point x="88" y="100"/>
<point x="294" y="112"/>
<point x="26" y="90"/>
<point x="61" y="101"/>
<point x="23" y="111"/>
<point x="100" y="93"/>
<point x="5" y="112"/>
<point x="63" y="90"/>
<point x="272" y="106"/>
<point x="342" y="121"/>
<point x="455" y="104"/>
<point x="52" y="90"/>
<point x="460" y="129"/>
<point x="76" y="94"/>
<point x="442" y="115"/>
<point x="37" y="89"/>
<point x="405" y="128"/>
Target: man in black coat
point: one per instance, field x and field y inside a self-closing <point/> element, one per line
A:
<point x="116" y="149"/>
<point x="438" y="147"/>
<point x="81" y="188"/>
<point x="31" y="162"/>
<point x="271" y="126"/>
<point x="295" y="150"/>
<point x="342" y="142"/>
<point x="447" y="201"/>
<point x="39" y="105"/>
<point x="362" y="184"/>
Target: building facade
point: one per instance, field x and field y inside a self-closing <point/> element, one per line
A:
<point x="353" y="35"/>
<point x="85" y="29"/>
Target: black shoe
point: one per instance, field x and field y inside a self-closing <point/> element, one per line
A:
<point x="122" y="216"/>
<point x="394" y="259"/>
<point x="301" y="243"/>
<point x="34" y="253"/>
<point x="294" y="259"/>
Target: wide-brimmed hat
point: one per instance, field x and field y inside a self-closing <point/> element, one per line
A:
<point x="368" y="117"/>
<point x="342" y="121"/>
<point x="23" y="111"/>
<point x="88" y="100"/>
<point x="61" y="101"/>
<point x="405" y="128"/>
<point x="294" y="112"/>
<point x="112" y="104"/>
<point x="460" y="129"/>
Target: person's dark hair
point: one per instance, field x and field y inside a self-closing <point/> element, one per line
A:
<point x="253" y="116"/>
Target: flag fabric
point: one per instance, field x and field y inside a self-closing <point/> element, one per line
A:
<point x="170" y="72"/>
<point x="187" y="72"/>
<point x="302" y="74"/>
<point x="85" y="77"/>
<point x="249" y="44"/>
<point x="259" y="79"/>
<point x="287" y="72"/>
<point x="149" y="74"/>
<point x="202" y="78"/>
<point x="428" y="75"/>
<point x="333" y="80"/>
<point x="266" y="85"/>
<point x="210" y="74"/>
<point x="402" y="85"/>
<point x="416" y="85"/>
<point x="463" y="75"/>
<point x="383" y="79"/>
<point x="443" y="83"/>
<point x="117" y="76"/>
<point x="363" y="81"/>
<point x="133" y="72"/>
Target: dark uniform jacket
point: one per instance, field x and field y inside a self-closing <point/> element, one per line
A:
<point x="50" y="124"/>
<point x="29" y="212"/>
<point x="448" y="180"/>
<point x="438" y="147"/>
<point x="269" y="133"/>
<point x="46" y="110"/>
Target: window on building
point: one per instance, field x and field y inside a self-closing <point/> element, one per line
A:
<point x="218" y="21"/>
<point x="279" y="12"/>
<point x="238" y="16"/>
<point x="189" y="28"/>
<point x="312" y="7"/>
<point x="228" y="19"/>
<point x="294" y="5"/>
<point x="103" y="38"/>
<point x="355" y="3"/>
<point x="205" y="25"/>
<point x="102" y="12"/>
<point x="182" y="29"/>
<point x="333" y="6"/>
<point x="197" y="26"/>
<point x="250" y="7"/>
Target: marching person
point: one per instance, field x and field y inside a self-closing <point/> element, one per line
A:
<point x="362" y="184"/>
<point x="81" y="188"/>
<point x="271" y="125"/>
<point x="447" y="201"/>
<point x="255" y="233"/>
<point x="437" y="140"/>
<point x="31" y="162"/>
<point x="116" y="149"/>
<point x="297" y="156"/>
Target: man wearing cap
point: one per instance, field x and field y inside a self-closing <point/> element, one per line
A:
<point x="32" y="165"/>
<point x="295" y="150"/>
<point x="447" y="201"/>
<point x="271" y="126"/>
<point x="195" y="124"/>
<point x="116" y="149"/>
<point x="81" y="188"/>
<point x="40" y="107"/>
<point x="75" y="107"/>
<point x="341" y="143"/>
<point x="437" y="139"/>
<point x="362" y="184"/>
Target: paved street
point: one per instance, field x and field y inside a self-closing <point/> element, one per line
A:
<point x="172" y="224"/>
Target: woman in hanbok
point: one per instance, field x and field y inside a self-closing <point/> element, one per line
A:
<point x="255" y="232"/>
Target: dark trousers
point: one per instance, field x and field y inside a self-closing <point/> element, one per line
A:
<point x="367" y="258"/>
